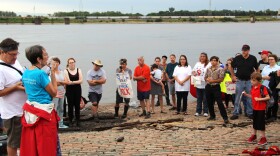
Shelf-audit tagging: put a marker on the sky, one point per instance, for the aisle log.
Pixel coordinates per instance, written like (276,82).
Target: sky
(24,7)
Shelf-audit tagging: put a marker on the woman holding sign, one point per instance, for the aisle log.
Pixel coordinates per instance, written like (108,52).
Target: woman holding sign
(227,86)
(198,73)
(122,93)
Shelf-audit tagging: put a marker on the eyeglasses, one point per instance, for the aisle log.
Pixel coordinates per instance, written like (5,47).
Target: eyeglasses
(271,59)
(16,54)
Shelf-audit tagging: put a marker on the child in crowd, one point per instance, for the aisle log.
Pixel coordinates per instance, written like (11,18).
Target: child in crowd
(157,75)
(259,107)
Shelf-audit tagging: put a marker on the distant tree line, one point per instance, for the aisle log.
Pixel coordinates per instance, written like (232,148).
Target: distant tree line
(85,14)
(7,14)
(172,12)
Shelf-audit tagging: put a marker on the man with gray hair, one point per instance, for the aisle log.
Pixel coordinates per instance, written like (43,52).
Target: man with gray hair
(12,93)
(142,76)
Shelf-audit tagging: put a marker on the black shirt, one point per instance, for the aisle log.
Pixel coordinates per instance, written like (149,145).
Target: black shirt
(262,64)
(245,67)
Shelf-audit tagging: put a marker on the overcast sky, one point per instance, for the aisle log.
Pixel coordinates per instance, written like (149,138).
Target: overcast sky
(128,6)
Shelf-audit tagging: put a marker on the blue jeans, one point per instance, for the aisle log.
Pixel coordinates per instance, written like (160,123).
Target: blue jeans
(201,97)
(58,105)
(247,102)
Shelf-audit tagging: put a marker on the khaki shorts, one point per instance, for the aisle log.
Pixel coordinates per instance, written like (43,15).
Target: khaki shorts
(171,87)
(13,127)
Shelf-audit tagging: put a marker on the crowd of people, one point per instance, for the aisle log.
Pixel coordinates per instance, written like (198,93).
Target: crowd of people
(33,101)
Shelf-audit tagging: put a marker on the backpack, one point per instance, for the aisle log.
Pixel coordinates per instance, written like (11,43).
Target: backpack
(270,102)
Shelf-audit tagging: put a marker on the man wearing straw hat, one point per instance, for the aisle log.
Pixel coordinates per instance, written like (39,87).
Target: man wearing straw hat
(96,77)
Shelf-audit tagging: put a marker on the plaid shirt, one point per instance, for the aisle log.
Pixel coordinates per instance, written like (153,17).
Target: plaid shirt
(215,74)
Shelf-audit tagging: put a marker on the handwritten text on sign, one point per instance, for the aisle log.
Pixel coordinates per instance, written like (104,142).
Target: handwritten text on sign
(231,87)
(124,85)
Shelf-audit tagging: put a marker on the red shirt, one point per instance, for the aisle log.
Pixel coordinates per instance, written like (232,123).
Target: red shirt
(145,72)
(256,92)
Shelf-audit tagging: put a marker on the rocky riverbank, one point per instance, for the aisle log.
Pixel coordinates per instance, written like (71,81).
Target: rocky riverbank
(162,134)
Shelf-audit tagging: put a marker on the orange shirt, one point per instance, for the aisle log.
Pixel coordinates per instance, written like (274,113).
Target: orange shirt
(145,72)
(256,92)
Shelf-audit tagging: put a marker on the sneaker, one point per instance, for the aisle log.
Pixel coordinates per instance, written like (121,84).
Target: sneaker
(211,118)
(63,126)
(234,117)
(148,116)
(168,104)
(226,121)
(262,141)
(196,114)
(252,139)
(173,108)
(143,114)
(205,114)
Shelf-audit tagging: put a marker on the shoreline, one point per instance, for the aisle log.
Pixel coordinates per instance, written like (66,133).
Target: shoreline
(134,23)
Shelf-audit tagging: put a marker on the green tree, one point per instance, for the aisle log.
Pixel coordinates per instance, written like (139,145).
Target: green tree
(171,10)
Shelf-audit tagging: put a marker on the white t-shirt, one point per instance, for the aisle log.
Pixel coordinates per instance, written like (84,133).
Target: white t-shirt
(200,71)
(157,74)
(266,71)
(181,73)
(11,105)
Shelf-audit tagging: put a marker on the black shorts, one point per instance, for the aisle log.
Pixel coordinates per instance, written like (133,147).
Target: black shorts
(120,99)
(259,120)
(13,127)
(94,97)
(143,95)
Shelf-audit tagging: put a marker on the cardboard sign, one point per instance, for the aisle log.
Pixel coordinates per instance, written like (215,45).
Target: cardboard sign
(231,87)
(124,85)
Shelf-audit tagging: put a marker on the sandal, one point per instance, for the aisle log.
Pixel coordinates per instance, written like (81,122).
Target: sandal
(177,113)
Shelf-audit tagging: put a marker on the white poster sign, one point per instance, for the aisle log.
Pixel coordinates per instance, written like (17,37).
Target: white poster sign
(124,85)
(231,87)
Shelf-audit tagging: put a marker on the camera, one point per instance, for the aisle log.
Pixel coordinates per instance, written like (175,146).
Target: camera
(120,67)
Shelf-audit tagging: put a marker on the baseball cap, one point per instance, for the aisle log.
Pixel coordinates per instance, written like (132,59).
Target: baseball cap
(245,47)
(265,52)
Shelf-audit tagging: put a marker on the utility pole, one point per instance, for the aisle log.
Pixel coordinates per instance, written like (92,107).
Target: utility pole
(81,8)
(209,11)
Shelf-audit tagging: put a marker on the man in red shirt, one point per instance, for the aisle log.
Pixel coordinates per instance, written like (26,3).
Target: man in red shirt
(259,107)
(142,76)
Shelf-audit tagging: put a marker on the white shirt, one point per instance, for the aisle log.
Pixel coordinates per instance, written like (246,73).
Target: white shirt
(266,71)
(11,105)
(200,73)
(181,73)
(157,74)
